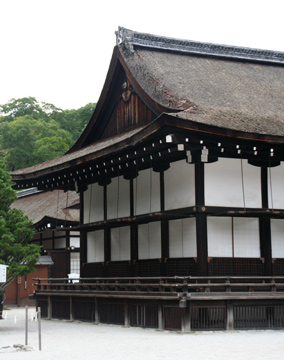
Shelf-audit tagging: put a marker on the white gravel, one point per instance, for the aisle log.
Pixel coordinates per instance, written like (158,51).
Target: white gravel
(78,340)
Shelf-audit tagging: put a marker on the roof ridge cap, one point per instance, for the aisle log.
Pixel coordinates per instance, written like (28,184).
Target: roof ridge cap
(131,38)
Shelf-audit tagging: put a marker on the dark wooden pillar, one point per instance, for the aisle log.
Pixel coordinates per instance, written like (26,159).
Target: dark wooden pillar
(133,230)
(165,242)
(201,221)
(265,227)
(83,235)
(107,245)
(67,239)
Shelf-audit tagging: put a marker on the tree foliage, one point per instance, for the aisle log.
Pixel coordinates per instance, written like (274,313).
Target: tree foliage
(16,232)
(33,132)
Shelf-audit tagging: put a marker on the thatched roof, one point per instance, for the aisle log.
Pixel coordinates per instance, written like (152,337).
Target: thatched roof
(55,204)
(236,88)
(223,88)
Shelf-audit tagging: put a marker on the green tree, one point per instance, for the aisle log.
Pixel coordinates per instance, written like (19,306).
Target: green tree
(29,141)
(21,107)
(33,132)
(74,121)
(16,232)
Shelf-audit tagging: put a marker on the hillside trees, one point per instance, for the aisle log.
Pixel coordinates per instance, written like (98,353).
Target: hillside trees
(33,132)
(16,250)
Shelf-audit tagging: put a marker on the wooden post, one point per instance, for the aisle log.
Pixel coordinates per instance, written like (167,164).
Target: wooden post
(265,227)
(39,327)
(160,317)
(186,323)
(201,221)
(97,318)
(230,316)
(126,313)
(71,309)
(26,326)
(49,308)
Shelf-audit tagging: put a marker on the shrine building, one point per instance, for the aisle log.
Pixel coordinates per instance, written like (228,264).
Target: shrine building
(180,175)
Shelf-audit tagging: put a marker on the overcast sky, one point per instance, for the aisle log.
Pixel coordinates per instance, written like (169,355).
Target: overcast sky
(58,51)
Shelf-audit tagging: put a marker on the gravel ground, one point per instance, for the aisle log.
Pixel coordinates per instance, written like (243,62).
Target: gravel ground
(75,340)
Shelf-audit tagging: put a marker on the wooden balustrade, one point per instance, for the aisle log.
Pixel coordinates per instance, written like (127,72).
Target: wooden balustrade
(165,287)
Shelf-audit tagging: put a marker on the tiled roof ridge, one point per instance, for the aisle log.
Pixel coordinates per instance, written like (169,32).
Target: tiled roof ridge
(131,38)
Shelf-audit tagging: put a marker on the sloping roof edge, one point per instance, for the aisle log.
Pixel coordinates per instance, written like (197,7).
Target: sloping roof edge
(132,138)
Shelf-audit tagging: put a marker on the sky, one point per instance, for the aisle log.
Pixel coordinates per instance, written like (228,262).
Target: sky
(58,51)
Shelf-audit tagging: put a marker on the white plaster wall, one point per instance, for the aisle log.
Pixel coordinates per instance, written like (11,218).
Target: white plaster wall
(93,203)
(95,246)
(223,184)
(75,238)
(149,241)
(276,186)
(237,237)
(182,238)
(75,241)
(118,198)
(246,237)
(219,234)
(277,238)
(120,243)
(179,185)
(147,192)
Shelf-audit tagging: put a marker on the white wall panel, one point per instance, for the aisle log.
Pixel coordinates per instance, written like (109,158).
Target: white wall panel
(147,192)
(118,198)
(277,238)
(179,185)
(75,241)
(182,238)
(276,187)
(95,246)
(219,230)
(93,203)
(246,237)
(120,243)
(75,238)
(223,184)
(149,241)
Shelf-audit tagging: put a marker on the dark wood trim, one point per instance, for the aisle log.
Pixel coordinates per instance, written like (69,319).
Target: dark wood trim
(201,221)
(83,250)
(134,242)
(264,187)
(81,207)
(265,244)
(165,240)
(107,245)
(265,226)
(105,202)
(53,239)
(199,184)
(67,242)
(131,189)
(162,190)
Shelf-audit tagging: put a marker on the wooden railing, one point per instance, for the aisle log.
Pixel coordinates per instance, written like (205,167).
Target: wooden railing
(164,287)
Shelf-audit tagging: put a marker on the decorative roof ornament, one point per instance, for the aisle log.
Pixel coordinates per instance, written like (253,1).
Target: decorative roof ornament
(126,91)
(126,37)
